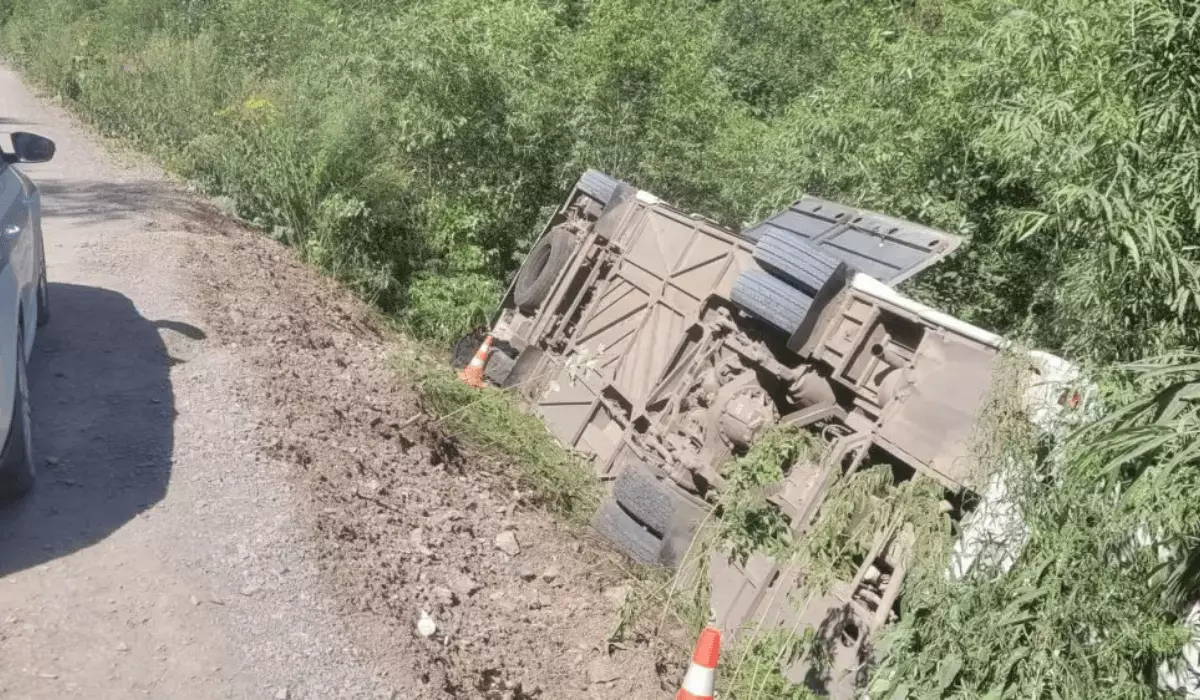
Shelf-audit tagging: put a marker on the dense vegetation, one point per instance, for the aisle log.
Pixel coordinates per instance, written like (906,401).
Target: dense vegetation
(414,147)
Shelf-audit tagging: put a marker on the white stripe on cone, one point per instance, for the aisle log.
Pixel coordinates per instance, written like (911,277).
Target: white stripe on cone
(700,680)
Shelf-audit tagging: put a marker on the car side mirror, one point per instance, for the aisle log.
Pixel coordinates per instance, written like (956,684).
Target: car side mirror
(30,148)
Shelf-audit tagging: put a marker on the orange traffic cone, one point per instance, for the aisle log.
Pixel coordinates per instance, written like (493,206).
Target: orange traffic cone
(702,674)
(472,375)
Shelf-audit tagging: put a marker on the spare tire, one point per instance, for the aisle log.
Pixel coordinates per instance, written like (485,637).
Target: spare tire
(542,267)
(599,186)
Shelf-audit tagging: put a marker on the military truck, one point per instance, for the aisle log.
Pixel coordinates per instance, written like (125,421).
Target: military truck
(660,345)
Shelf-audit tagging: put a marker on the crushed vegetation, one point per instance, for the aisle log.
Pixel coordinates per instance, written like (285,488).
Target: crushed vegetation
(1098,594)
(493,422)
(747,522)
(867,502)
(756,668)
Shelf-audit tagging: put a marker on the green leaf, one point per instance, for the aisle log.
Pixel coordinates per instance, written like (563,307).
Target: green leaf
(948,670)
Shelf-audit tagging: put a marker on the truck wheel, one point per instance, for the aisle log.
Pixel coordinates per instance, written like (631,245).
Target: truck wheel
(647,518)
(646,498)
(598,186)
(792,259)
(626,534)
(771,300)
(17,467)
(542,267)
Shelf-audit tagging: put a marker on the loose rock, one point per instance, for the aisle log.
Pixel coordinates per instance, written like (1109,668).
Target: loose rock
(602,671)
(465,585)
(443,595)
(617,594)
(507,542)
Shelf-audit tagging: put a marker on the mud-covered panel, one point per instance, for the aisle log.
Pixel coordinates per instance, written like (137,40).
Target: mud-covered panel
(610,332)
(737,592)
(669,268)
(601,437)
(836,334)
(890,250)
(566,406)
(618,222)
(651,349)
(703,266)
(932,420)
(660,243)
(741,260)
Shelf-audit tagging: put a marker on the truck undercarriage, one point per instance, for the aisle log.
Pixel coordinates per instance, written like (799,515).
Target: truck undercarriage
(660,346)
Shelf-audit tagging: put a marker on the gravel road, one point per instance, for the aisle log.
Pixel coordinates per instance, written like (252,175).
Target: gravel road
(228,506)
(159,556)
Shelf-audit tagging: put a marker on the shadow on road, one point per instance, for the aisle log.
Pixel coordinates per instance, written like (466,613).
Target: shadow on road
(103,414)
(93,201)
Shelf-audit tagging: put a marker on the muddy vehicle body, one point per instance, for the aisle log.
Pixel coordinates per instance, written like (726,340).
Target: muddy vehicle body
(659,345)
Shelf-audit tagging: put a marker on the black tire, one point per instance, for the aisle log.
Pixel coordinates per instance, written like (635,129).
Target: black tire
(598,186)
(43,288)
(626,534)
(791,258)
(771,300)
(647,499)
(17,470)
(499,366)
(542,267)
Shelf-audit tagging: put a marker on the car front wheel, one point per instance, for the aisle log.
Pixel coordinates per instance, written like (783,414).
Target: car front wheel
(16,462)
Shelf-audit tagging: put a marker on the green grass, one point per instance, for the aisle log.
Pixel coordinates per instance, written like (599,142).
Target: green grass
(494,422)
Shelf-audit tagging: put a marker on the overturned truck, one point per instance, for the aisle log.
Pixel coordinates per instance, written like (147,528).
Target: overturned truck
(660,345)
